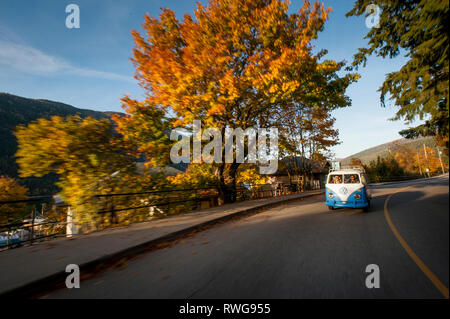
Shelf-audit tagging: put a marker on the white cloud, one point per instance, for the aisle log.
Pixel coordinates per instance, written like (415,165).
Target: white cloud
(27,59)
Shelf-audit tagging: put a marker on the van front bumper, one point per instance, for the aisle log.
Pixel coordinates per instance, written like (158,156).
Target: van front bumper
(348,203)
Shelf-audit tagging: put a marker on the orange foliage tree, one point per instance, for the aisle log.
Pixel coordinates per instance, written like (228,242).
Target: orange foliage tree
(410,160)
(11,190)
(238,63)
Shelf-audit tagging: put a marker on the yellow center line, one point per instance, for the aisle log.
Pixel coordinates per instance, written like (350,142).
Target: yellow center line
(433,278)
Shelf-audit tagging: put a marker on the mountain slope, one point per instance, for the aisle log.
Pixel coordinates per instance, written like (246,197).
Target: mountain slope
(383,150)
(15,110)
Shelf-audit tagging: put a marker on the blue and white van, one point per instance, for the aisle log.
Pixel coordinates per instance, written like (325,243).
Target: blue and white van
(347,187)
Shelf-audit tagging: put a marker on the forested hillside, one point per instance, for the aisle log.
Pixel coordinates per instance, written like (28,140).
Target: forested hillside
(383,150)
(15,110)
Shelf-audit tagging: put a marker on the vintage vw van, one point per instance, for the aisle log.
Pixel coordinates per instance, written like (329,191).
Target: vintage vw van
(347,187)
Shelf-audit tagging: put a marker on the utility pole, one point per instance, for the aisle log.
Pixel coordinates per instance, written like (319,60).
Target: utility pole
(418,162)
(440,160)
(427,168)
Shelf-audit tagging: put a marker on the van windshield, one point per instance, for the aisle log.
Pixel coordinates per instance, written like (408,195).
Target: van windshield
(335,179)
(351,179)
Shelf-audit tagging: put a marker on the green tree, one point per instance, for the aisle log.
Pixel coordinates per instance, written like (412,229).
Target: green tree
(420,89)
(384,169)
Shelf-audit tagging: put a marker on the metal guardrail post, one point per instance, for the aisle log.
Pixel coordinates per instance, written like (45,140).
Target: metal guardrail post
(7,237)
(196,199)
(113,213)
(33,216)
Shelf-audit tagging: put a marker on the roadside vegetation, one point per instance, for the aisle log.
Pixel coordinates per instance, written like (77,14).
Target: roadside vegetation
(406,164)
(11,190)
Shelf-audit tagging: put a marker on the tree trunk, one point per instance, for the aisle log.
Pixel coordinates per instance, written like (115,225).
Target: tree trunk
(227,192)
(232,174)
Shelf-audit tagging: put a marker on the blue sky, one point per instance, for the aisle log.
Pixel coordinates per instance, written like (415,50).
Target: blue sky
(90,68)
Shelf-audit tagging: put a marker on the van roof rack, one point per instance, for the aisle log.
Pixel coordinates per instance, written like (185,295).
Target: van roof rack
(344,167)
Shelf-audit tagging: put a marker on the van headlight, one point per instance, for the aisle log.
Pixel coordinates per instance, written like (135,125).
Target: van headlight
(330,195)
(357,196)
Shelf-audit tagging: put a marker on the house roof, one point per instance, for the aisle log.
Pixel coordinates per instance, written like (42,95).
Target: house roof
(289,163)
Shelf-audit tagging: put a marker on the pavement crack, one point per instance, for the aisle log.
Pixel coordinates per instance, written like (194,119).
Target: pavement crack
(205,285)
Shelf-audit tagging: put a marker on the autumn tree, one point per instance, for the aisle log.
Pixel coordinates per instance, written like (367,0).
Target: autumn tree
(428,159)
(408,160)
(11,190)
(356,161)
(86,154)
(420,89)
(311,137)
(237,63)
(416,160)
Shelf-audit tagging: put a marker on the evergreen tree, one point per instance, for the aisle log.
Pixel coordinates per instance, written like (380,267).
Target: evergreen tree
(420,87)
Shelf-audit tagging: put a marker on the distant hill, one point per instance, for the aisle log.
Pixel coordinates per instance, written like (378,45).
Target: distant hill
(15,110)
(383,150)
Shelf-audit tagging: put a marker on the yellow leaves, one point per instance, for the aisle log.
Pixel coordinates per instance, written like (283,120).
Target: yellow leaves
(178,123)
(250,175)
(65,145)
(410,159)
(216,109)
(224,59)
(273,89)
(327,66)
(289,86)
(355,76)
(11,190)
(195,175)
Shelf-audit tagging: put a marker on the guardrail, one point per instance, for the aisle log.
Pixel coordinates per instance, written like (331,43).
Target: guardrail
(125,208)
(397,178)
(175,201)
(30,226)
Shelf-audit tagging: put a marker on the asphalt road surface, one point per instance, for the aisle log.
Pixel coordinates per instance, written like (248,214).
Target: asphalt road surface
(300,250)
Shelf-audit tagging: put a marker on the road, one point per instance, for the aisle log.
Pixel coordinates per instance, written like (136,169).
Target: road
(299,250)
